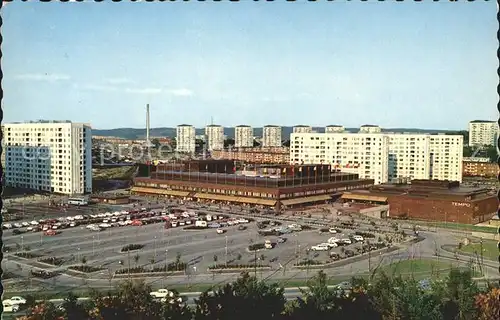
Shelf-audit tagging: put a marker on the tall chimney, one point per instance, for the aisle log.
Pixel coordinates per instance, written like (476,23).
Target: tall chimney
(147,124)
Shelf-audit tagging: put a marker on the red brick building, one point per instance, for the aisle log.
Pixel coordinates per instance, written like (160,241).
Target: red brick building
(432,200)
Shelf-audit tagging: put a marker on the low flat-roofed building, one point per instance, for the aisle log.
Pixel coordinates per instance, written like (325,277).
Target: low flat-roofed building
(276,187)
(111,199)
(481,167)
(432,200)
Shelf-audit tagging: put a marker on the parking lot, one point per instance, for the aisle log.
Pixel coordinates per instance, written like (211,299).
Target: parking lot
(200,249)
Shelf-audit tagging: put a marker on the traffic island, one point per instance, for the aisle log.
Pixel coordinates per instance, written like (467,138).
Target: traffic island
(173,268)
(85,269)
(27,255)
(52,261)
(129,248)
(256,247)
(231,268)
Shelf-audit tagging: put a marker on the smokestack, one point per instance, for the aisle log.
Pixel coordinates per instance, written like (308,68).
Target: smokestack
(147,124)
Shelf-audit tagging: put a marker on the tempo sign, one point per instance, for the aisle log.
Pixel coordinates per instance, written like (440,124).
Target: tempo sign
(461,204)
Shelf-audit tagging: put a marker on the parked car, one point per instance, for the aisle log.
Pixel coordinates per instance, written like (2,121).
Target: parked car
(16,231)
(15,300)
(220,231)
(320,247)
(281,240)
(334,256)
(51,233)
(358,238)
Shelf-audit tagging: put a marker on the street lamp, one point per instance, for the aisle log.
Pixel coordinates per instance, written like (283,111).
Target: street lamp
(93,245)
(22,243)
(155,246)
(226,252)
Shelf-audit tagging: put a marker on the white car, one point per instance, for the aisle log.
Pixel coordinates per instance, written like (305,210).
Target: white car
(330,245)
(72,224)
(15,301)
(346,241)
(333,240)
(34,223)
(320,247)
(122,223)
(358,238)
(332,230)
(220,231)
(25,224)
(242,220)
(30,228)
(104,225)
(10,307)
(18,225)
(90,226)
(162,293)
(7,226)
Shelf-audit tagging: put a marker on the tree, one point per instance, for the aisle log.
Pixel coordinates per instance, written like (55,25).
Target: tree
(488,305)
(319,302)
(72,309)
(136,259)
(228,143)
(156,143)
(246,298)
(492,153)
(460,291)
(177,259)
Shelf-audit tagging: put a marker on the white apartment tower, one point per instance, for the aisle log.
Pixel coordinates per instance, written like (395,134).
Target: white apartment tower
(243,136)
(368,128)
(302,129)
(215,137)
(334,129)
(186,138)
(384,157)
(483,133)
(50,156)
(271,136)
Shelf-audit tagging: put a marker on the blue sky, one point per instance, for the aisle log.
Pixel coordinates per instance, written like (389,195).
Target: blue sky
(419,65)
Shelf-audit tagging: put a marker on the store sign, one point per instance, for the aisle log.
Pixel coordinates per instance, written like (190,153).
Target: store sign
(461,204)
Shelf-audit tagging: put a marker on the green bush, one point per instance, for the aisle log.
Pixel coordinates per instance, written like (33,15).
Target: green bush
(256,246)
(132,247)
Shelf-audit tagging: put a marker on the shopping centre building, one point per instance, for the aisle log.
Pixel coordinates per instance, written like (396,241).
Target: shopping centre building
(271,186)
(432,200)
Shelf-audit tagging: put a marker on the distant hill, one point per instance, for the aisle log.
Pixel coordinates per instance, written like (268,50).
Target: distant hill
(132,133)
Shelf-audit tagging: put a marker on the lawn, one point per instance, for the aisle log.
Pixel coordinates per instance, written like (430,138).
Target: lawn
(490,249)
(456,226)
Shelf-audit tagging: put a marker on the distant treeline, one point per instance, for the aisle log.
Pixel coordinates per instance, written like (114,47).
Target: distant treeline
(132,133)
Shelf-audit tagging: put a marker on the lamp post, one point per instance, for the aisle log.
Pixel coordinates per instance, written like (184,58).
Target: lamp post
(22,243)
(78,254)
(226,253)
(93,245)
(155,247)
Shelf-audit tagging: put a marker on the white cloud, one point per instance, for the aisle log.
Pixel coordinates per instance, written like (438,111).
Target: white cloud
(43,77)
(98,87)
(118,80)
(144,90)
(181,92)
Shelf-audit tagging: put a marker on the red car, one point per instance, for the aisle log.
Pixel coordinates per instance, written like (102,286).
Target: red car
(51,232)
(136,223)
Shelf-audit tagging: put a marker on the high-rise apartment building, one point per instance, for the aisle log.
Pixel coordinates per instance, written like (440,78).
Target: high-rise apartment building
(243,136)
(186,138)
(384,157)
(271,136)
(50,156)
(369,128)
(334,129)
(483,133)
(215,137)
(302,129)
